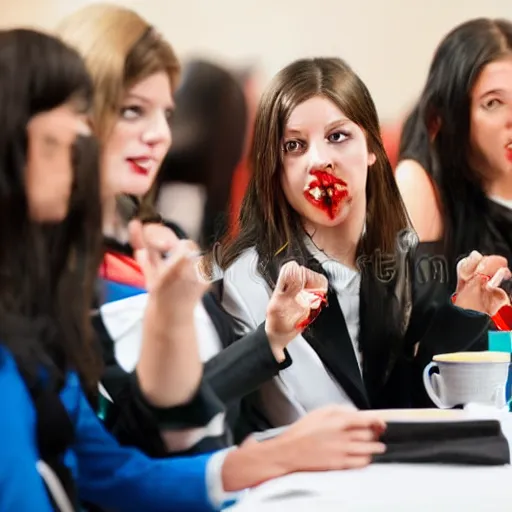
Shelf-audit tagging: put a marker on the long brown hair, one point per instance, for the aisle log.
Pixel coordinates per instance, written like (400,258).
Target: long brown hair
(267,221)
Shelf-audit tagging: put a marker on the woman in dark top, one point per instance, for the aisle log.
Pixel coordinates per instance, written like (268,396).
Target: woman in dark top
(134,143)
(456,149)
(132,107)
(50,228)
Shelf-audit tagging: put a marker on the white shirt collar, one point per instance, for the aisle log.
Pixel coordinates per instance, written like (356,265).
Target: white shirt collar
(341,277)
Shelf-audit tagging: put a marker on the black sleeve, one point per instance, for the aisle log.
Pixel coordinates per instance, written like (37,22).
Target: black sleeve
(453,329)
(436,325)
(134,421)
(243,366)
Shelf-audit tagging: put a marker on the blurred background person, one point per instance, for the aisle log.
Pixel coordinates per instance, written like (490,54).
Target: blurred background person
(209,128)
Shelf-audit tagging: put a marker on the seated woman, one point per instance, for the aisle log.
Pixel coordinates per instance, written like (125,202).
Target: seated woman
(323,194)
(133,104)
(150,409)
(455,170)
(50,220)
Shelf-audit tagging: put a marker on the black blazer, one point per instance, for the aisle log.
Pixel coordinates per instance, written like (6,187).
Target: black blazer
(406,317)
(396,318)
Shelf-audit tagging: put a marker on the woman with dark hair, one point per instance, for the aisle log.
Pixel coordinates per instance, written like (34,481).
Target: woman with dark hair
(46,276)
(209,132)
(50,227)
(455,170)
(323,194)
(46,93)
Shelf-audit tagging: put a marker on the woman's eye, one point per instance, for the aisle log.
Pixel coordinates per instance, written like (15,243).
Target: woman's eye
(492,104)
(292,145)
(337,137)
(169,114)
(132,112)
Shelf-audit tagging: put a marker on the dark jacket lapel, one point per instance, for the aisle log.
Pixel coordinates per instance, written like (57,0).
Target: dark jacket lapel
(328,336)
(373,335)
(384,313)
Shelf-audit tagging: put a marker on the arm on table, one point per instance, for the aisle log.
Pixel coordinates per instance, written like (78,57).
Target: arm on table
(124,479)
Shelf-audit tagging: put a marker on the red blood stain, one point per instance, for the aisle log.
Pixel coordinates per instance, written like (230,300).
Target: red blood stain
(334,191)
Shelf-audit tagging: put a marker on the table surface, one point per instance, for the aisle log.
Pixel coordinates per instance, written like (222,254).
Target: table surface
(396,487)
(382,487)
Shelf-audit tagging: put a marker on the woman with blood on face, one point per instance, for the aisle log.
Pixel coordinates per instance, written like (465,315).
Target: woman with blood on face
(323,194)
(455,170)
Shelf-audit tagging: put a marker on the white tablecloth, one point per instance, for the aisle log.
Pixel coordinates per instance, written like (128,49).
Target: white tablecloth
(389,487)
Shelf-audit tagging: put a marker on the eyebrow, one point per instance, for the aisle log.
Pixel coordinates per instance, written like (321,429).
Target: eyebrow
(330,126)
(492,91)
(145,100)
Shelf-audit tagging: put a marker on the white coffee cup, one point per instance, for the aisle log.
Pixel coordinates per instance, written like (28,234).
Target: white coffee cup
(467,377)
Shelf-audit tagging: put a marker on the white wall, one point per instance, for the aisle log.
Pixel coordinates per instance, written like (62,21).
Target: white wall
(389,42)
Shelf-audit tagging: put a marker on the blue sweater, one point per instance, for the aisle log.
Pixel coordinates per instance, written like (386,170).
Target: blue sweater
(107,474)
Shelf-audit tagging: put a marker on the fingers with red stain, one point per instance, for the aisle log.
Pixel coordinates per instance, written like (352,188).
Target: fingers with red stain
(314,312)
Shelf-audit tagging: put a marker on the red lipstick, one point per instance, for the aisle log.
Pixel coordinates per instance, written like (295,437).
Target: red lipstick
(138,169)
(326,192)
(508,152)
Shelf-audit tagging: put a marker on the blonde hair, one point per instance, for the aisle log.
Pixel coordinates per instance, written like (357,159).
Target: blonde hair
(120,49)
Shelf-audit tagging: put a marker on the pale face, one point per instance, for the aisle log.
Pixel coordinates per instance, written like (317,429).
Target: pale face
(49,169)
(325,162)
(140,138)
(491,119)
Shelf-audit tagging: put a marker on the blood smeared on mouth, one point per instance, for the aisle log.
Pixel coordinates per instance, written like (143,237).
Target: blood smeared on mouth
(316,300)
(326,192)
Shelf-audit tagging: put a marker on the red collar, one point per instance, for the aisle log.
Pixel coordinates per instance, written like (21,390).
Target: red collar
(121,269)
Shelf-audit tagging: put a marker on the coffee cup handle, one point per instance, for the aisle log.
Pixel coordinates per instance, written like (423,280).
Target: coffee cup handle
(428,378)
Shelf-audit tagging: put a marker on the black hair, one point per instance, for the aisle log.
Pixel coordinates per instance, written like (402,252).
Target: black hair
(46,271)
(436,133)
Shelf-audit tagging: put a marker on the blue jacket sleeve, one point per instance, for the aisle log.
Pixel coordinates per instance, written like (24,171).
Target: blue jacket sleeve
(124,479)
(21,487)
